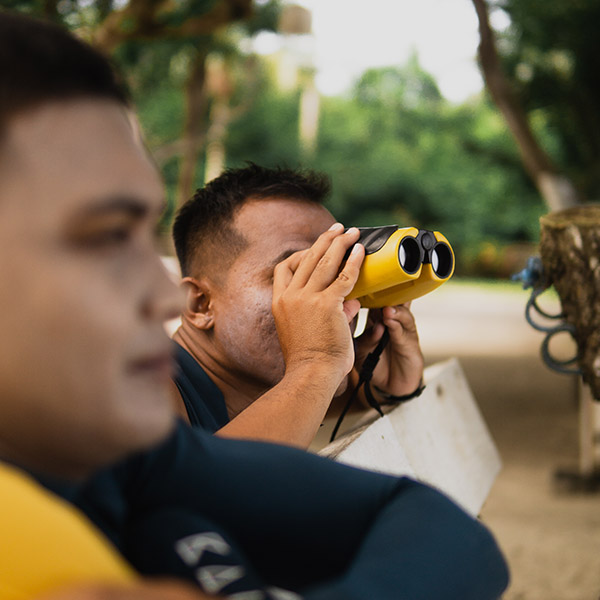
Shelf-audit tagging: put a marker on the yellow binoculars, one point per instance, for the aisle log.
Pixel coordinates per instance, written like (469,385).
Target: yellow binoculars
(401,264)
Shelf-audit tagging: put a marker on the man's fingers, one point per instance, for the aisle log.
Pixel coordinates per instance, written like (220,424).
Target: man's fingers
(284,272)
(367,342)
(328,268)
(395,317)
(319,266)
(344,282)
(323,260)
(315,253)
(351,308)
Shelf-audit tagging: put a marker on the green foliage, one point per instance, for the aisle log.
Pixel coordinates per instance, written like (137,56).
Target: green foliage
(186,9)
(264,18)
(396,151)
(427,164)
(390,88)
(268,132)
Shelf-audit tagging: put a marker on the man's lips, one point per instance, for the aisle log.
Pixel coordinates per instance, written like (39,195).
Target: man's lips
(160,365)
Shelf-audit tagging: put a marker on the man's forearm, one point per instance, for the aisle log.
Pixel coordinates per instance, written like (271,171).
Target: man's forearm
(289,413)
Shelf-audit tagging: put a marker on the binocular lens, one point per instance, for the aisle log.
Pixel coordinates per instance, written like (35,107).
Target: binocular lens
(441,260)
(409,255)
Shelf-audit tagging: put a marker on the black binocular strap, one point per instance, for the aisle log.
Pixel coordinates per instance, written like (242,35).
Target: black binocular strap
(364,378)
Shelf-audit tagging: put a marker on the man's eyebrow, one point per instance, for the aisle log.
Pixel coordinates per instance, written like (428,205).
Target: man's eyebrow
(132,206)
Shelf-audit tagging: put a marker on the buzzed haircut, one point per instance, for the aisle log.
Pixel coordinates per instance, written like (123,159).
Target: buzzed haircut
(203,226)
(41,62)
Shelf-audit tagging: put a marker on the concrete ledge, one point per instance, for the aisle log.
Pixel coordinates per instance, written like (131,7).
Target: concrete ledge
(439,438)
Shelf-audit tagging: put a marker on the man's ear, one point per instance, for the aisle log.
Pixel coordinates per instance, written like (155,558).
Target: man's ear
(198,303)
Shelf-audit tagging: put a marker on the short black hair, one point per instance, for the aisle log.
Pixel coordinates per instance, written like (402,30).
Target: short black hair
(204,223)
(42,62)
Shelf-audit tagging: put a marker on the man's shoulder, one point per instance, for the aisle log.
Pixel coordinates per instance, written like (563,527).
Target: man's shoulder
(203,400)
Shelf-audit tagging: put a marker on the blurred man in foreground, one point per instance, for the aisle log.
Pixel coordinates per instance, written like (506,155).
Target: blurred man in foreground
(83,359)
(232,375)
(84,369)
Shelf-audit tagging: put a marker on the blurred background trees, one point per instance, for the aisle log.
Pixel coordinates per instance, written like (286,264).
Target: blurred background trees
(550,59)
(396,149)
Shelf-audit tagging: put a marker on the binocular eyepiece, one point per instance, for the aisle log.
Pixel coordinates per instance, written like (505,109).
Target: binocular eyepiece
(401,264)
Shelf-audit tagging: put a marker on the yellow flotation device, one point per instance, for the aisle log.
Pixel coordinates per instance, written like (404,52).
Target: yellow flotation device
(46,544)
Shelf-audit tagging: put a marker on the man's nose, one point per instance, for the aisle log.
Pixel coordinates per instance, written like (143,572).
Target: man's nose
(165,299)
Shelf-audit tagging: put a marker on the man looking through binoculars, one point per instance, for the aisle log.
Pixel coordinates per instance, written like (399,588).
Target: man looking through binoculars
(233,376)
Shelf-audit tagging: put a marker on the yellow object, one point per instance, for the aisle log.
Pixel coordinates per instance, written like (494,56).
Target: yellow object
(46,544)
(401,264)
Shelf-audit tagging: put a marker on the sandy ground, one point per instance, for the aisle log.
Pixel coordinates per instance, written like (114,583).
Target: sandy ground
(551,537)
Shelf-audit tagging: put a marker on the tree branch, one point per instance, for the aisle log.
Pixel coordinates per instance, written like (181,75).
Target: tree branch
(144,20)
(194,129)
(556,189)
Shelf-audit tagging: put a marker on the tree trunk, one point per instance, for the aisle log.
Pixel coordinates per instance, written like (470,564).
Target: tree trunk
(194,127)
(220,115)
(49,9)
(556,189)
(570,248)
(308,126)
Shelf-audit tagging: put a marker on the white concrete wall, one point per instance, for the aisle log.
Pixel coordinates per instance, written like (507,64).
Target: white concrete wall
(439,438)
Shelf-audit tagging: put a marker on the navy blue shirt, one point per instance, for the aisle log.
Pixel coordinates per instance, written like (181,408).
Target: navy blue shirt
(203,400)
(246,517)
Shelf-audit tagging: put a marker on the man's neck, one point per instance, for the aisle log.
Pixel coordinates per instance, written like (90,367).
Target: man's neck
(238,392)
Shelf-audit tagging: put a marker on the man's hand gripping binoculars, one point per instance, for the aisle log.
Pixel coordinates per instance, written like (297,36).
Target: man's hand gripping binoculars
(400,264)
